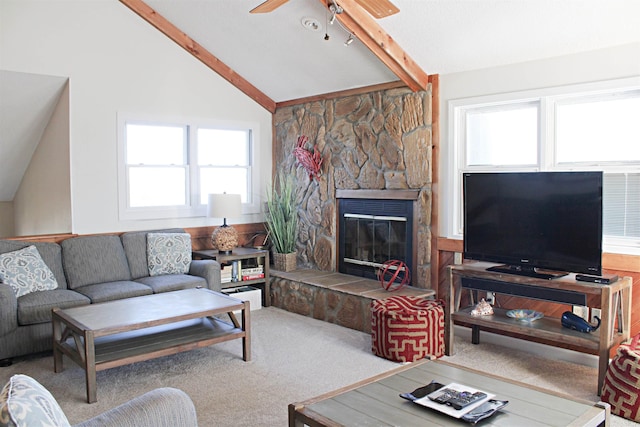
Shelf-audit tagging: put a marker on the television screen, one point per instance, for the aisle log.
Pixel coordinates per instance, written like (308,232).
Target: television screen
(534,221)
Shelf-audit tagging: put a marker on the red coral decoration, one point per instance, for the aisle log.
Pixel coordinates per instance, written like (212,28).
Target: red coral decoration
(312,162)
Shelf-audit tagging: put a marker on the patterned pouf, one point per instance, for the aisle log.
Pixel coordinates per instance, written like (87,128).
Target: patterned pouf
(405,328)
(621,386)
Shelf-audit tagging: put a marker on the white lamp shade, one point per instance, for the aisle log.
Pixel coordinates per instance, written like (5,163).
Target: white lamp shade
(224,206)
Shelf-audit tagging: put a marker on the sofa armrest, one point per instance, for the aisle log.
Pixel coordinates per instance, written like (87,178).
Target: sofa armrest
(209,270)
(161,407)
(8,310)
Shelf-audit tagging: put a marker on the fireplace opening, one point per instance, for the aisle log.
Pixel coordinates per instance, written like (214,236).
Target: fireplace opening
(372,232)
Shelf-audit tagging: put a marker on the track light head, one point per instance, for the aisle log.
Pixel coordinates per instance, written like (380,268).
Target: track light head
(349,40)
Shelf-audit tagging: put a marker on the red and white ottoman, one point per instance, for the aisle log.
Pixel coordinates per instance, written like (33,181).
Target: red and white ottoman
(621,388)
(406,328)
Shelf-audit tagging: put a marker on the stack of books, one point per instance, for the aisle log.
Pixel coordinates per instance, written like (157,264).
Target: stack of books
(226,273)
(252,273)
(236,272)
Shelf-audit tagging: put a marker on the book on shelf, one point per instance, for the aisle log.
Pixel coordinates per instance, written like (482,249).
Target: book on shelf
(252,270)
(226,273)
(236,272)
(253,276)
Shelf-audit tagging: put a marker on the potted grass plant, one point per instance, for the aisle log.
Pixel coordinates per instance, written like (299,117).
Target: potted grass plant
(282,222)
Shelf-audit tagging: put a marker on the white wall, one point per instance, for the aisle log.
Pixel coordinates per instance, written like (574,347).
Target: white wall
(605,64)
(42,204)
(116,62)
(6,219)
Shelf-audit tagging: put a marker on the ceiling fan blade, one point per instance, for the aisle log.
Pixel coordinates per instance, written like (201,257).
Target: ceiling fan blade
(268,6)
(378,8)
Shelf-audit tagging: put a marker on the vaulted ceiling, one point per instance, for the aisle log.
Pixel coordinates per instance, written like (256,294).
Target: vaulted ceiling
(283,56)
(286,58)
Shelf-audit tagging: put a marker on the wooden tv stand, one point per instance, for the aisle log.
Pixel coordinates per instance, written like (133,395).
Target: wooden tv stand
(615,305)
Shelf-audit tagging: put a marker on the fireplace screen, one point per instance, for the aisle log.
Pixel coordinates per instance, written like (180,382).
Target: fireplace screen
(371,240)
(373,232)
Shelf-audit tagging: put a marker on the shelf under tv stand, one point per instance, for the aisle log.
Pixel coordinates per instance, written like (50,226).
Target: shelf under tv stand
(529,272)
(615,306)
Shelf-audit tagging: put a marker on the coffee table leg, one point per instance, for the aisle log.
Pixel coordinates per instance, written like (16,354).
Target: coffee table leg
(90,366)
(246,327)
(232,316)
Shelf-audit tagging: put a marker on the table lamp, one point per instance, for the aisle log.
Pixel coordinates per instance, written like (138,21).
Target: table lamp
(225,237)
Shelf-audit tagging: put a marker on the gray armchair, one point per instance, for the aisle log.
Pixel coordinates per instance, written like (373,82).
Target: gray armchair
(157,408)
(25,402)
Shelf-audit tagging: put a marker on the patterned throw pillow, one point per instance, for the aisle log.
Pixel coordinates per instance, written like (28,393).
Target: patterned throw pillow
(24,403)
(168,253)
(25,271)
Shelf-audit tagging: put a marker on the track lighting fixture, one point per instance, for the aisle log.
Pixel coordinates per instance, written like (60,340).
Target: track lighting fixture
(335,10)
(349,40)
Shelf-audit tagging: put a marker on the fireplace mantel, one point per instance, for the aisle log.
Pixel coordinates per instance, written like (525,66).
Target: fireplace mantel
(378,194)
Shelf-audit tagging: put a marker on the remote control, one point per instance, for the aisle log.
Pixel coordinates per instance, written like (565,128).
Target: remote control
(465,399)
(443,395)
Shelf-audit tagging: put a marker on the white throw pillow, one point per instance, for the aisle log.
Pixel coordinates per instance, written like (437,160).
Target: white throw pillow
(168,253)
(25,271)
(24,402)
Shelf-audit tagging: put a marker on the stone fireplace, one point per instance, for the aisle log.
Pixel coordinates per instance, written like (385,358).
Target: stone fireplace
(375,226)
(376,146)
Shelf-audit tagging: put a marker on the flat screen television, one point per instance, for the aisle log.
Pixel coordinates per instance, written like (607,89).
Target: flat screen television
(540,224)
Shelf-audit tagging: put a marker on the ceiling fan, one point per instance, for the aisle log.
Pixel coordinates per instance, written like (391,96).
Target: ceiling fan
(377,8)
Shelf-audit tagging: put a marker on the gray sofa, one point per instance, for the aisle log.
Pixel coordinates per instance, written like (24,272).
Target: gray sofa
(88,269)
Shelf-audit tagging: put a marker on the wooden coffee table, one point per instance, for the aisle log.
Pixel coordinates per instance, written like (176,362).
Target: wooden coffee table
(106,335)
(376,402)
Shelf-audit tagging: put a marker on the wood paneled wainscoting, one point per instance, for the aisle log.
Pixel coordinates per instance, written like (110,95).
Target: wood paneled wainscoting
(450,252)
(248,235)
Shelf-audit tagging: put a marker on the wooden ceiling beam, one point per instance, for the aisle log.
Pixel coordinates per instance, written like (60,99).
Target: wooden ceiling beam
(366,29)
(268,6)
(195,49)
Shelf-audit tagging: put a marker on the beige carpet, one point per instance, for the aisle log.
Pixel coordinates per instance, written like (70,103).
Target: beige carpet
(294,358)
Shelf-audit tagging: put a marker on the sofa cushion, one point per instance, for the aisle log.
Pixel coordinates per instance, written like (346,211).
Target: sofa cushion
(36,307)
(168,253)
(25,402)
(51,254)
(110,291)
(172,282)
(88,260)
(26,272)
(135,246)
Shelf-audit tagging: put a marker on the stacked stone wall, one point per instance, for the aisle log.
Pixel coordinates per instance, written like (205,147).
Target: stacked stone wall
(376,141)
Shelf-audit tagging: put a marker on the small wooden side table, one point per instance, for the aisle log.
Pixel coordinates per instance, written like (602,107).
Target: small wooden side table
(240,254)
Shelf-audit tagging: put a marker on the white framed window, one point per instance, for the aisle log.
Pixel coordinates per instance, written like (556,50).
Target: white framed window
(167,168)
(156,154)
(581,127)
(492,130)
(221,169)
